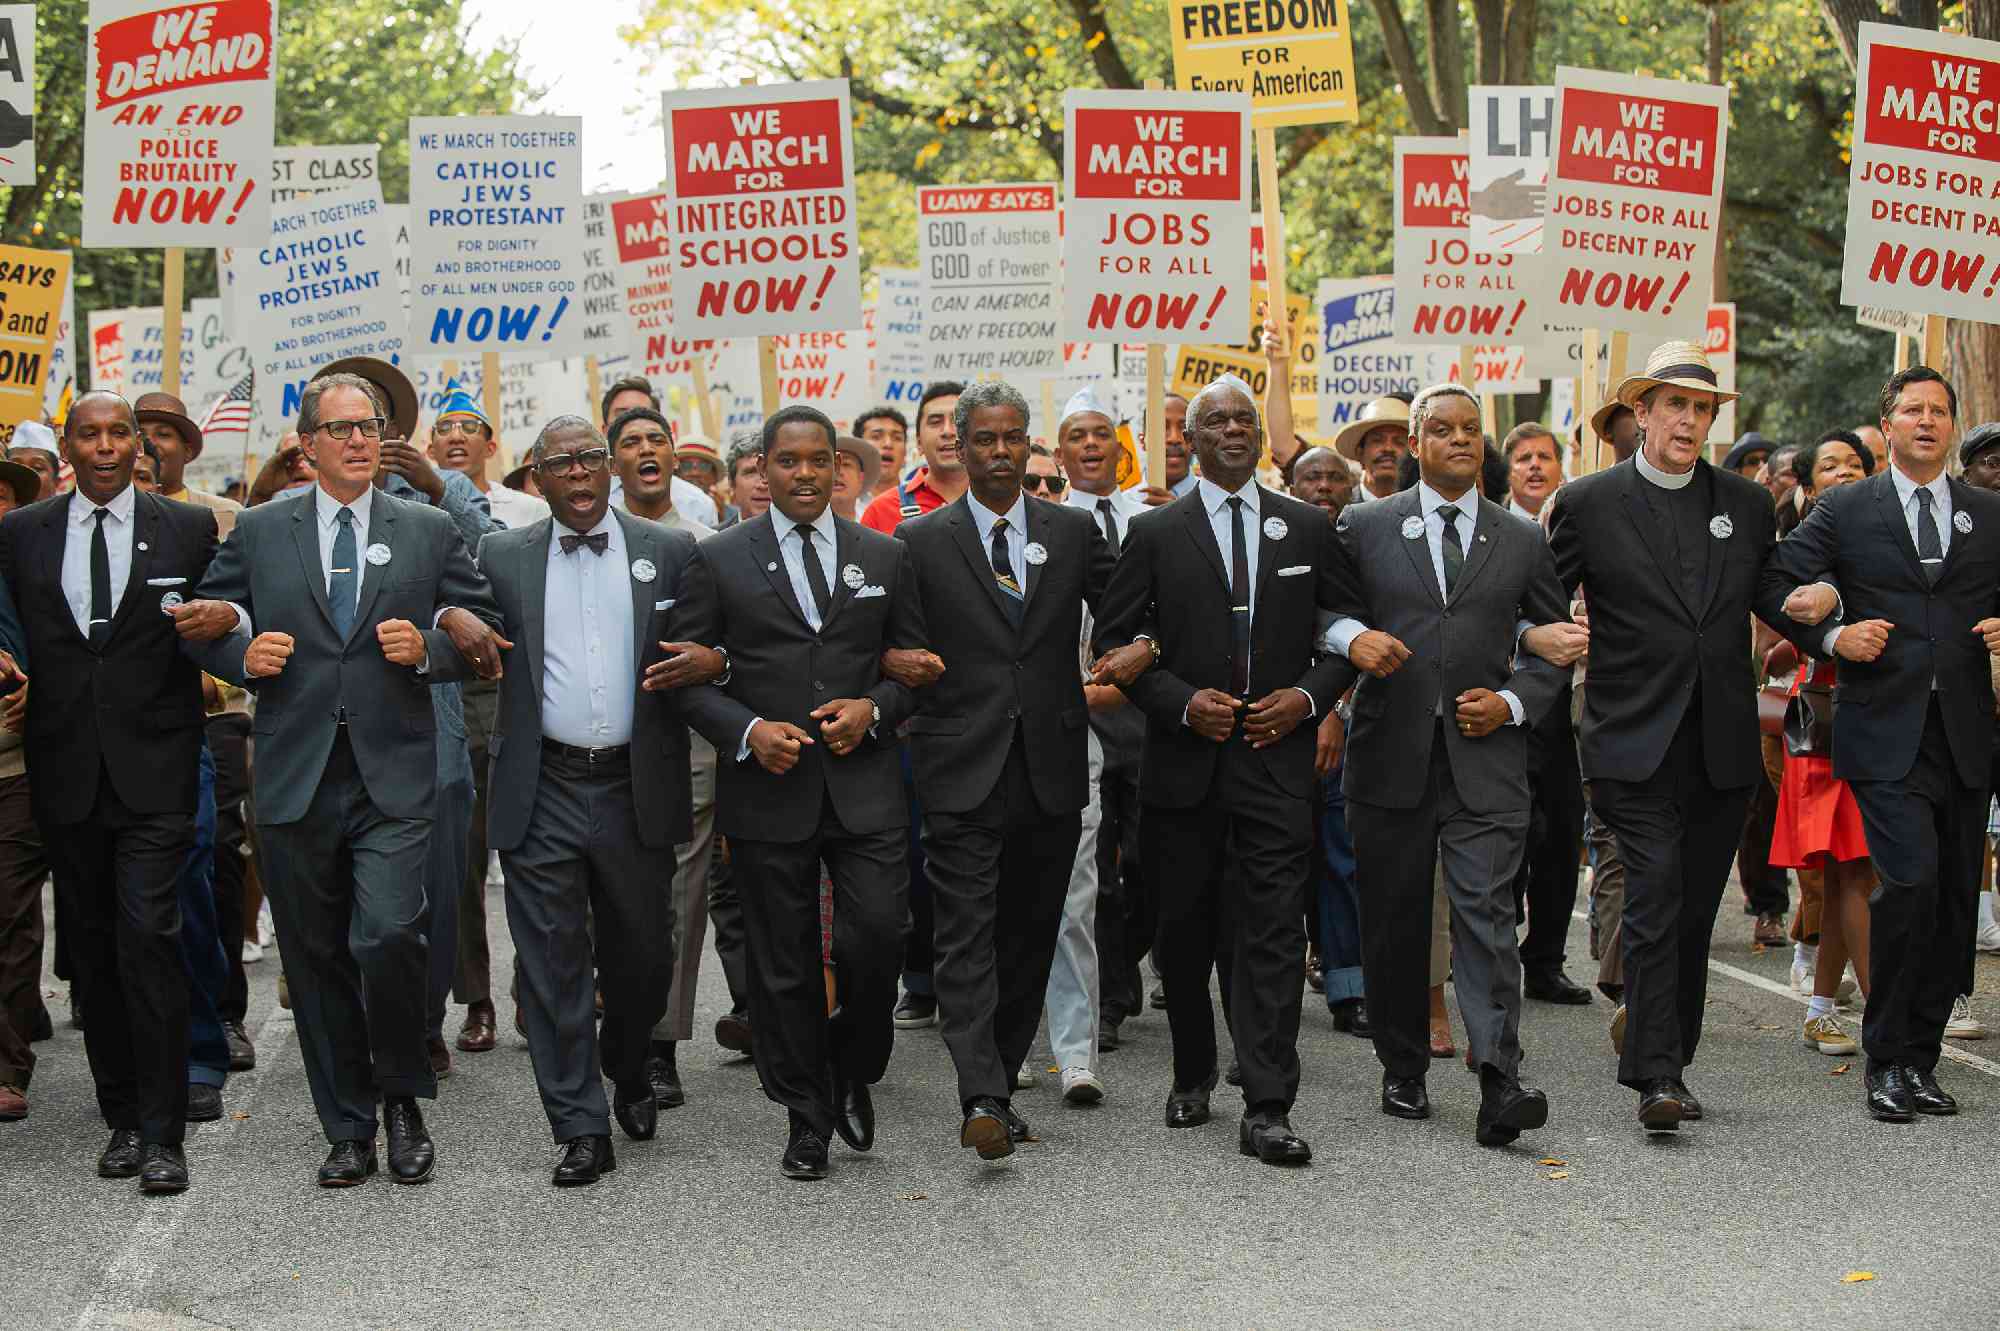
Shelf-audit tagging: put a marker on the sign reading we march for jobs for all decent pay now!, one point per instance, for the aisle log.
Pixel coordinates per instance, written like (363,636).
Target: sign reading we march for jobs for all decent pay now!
(1294,57)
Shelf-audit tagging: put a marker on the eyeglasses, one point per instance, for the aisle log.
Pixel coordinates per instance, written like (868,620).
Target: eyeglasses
(464,425)
(593,459)
(341,431)
(1034,481)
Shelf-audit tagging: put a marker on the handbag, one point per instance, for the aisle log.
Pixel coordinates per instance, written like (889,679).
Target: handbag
(1772,702)
(1809,721)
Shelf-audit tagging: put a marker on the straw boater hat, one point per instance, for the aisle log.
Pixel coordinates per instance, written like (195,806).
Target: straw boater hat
(394,386)
(1679,364)
(169,410)
(1382,411)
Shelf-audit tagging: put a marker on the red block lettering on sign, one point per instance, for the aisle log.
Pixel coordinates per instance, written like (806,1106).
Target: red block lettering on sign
(228,41)
(1933,103)
(1123,154)
(757,148)
(1434,190)
(640,228)
(1639,142)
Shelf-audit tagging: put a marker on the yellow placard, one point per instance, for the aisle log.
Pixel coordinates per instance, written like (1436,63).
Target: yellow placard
(1197,366)
(31,292)
(1294,57)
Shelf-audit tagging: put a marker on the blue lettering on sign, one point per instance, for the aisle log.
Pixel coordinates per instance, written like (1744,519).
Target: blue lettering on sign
(1366,316)
(508,323)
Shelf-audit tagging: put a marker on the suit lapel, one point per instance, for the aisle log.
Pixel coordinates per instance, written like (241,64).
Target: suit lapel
(1031,573)
(1268,557)
(533,552)
(55,533)
(763,537)
(1959,490)
(1409,504)
(1477,546)
(847,550)
(305,537)
(641,543)
(965,535)
(1195,514)
(145,539)
(1718,549)
(381,531)
(1890,510)
(1647,527)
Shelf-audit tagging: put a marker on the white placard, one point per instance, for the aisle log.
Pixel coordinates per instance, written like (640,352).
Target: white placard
(61,380)
(901,360)
(1446,291)
(991,261)
(128,351)
(1509,139)
(1359,357)
(17,94)
(605,334)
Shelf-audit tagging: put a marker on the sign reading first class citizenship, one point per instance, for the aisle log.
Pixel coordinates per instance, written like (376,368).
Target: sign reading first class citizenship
(1295,58)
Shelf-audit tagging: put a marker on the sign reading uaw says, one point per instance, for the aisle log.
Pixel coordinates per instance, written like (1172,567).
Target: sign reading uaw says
(1294,57)
(1923,232)
(1158,189)
(178,108)
(763,220)
(992,273)
(1634,199)
(1446,291)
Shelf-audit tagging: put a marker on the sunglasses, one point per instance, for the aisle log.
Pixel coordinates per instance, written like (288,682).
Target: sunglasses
(1033,482)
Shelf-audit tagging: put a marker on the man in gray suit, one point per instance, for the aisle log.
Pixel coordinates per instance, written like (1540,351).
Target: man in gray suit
(315,603)
(1447,583)
(590,789)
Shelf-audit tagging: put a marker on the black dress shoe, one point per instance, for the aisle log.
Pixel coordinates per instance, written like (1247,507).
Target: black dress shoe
(349,1163)
(805,1154)
(1405,1097)
(915,1011)
(1107,1035)
(121,1154)
(584,1160)
(164,1168)
(1235,1074)
(1270,1138)
(1691,1110)
(854,1113)
(1507,1109)
(1187,1107)
(1661,1108)
(663,1070)
(1555,987)
(1889,1096)
(1017,1127)
(1614,992)
(41,1028)
(1926,1096)
(732,1032)
(1158,998)
(1351,1015)
(204,1102)
(242,1054)
(638,1114)
(985,1129)
(412,1157)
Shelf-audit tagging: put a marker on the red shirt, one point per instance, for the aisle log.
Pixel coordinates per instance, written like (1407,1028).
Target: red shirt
(885,511)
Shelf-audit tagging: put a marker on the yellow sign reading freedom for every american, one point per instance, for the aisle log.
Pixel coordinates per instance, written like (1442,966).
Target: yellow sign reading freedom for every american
(1294,57)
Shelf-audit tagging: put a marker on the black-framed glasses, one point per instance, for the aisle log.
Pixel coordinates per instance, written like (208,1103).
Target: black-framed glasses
(559,464)
(341,431)
(1034,481)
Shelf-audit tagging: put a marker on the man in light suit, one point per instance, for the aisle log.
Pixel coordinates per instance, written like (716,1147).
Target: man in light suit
(1438,761)
(316,601)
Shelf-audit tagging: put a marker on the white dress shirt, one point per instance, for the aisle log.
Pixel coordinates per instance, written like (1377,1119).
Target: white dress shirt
(515,509)
(1906,497)
(1186,483)
(589,673)
(791,549)
(1124,507)
(118,528)
(1215,499)
(1016,538)
(327,509)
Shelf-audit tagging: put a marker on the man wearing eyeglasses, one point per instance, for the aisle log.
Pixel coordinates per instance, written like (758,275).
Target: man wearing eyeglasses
(1043,479)
(315,604)
(462,440)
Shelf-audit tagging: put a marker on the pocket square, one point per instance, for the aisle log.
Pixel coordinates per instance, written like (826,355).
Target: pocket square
(165,582)
(666,604)
(1295,570)
(869,591)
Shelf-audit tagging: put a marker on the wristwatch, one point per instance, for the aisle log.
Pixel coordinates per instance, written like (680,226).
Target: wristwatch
(874,715)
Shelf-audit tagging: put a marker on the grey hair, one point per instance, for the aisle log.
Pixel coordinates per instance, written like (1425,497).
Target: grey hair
(567,422)
(1228,385)
(309,400)
(743,444)
(991,393)
(1421,407)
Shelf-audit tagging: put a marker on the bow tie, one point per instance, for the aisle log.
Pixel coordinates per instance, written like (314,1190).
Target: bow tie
(597,541)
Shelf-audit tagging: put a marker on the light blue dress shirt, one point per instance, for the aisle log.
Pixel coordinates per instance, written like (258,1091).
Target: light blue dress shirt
(589,672)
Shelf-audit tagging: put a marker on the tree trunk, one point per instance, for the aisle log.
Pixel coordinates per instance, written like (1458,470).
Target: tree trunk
(1720,292)
(1974,348)
(1447,62)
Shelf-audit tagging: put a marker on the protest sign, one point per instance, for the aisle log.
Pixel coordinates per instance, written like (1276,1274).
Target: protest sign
(605,334)
(901,358)
(991,260)
(1509,142)
(301,170)
(32,286)
(1359,357)
(17,94)
(1634,201)
(1295,58)
(178,109)
(1158,190)
(824,370)
(1920,235)
(496,235)
(323,288)
(219,359)
(762,180)
(643,246)
(1446,291)
(59,385)
(1720,343)
(1906,322)
(128,353)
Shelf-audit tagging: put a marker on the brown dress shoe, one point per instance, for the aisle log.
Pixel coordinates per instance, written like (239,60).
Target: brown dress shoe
(1770,929)
(13,1104)
(477,1035)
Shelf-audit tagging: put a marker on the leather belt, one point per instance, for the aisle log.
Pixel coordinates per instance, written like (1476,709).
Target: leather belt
(571,753)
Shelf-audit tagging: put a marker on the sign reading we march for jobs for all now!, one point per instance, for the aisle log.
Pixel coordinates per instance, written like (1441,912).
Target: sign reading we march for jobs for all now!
(1446,291)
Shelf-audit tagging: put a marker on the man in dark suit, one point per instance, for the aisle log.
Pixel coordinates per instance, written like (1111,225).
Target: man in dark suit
(1437,765)
(803,604)
(1667,549)
(1915,555)
(999,743)
(317,600)
(113,737)
(590,788)
(1228,581)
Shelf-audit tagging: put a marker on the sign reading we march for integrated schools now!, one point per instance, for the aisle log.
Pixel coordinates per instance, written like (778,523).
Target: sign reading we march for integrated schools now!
(762,180)
(1923,227)
(1158,190)
(1635,193)
(1446,291)
(991,259)
(1294,57)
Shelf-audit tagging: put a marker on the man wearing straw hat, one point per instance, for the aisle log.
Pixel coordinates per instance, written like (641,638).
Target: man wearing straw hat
(1377,439)
(1668,549)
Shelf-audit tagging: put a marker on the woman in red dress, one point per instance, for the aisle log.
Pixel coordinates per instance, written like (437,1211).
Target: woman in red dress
(1818,823)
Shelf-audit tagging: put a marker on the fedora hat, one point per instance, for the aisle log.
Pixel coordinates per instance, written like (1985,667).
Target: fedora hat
(1382,411)
(1679,364)
(25,484)
(394,386)
(169,410)
(1751,443)
(867,454)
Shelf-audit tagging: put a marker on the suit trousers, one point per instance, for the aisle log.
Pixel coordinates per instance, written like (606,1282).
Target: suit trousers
(1924,834)
(690,889)
(1400,853)
(229,744)
(1071,1002)
(999,875)
(1676,836)
(201,943)
(797,1042)
(725,914)
(346,886)
(23,869)
(444,876)
(472,980)
(581,859)
(117,876)
(1230,876)
(919,944)
(1338,900)
(1545,887)
(1126,918)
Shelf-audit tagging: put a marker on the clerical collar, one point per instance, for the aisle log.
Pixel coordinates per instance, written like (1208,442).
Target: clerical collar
(1666,480)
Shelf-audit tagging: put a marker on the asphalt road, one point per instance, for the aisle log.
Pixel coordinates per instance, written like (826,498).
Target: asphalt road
(1750,1219)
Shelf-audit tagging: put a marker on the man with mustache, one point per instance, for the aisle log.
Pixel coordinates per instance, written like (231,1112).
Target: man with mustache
(1534,468)
(1377,439)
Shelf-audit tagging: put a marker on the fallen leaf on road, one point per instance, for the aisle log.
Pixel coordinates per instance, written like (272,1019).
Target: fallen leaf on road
(1551,1160)
(239,1116)
(1840,1070)
(1559,1173)
(912,1196)
(1758,949)
(1856,1277)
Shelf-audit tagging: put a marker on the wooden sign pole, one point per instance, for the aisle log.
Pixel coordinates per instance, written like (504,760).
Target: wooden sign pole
(1048,413)
(767,371)
(1934,341)
(704,401)
(1902,352)
(173,278)
(593,384)
(489,389)
(1586,403)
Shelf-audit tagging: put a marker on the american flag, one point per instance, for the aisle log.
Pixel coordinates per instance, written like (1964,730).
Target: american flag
(230,413)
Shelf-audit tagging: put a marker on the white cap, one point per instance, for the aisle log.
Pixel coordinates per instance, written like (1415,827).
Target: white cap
(1083,400)
(1231,381)
(34,434)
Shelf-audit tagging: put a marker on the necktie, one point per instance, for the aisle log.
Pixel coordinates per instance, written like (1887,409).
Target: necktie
(815,574)
(1239,602)
(100,582)
(595,542)
(1003,573)
(1110,524)
(342,587)
(1454,552)
(1930,551)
